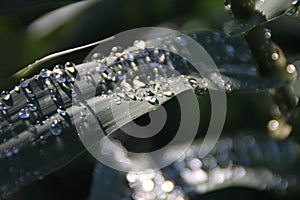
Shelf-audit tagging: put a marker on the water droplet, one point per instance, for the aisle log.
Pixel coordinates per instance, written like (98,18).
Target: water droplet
(275,56)
(161,58)
(155,70)
(227,5)
(15,150)
(129,57)
(291,69)
(73,94)
(31,107)
(97,56)
(198,89)
(8,153)
(181,41)
(148,185)
(168,93)
(24,113)
(228,87)
(6,96)
(167,186)
(11,127)
(152,100)
(193,82)
(42,139)
(154,64)
(70,67)
(82,116)
(17,89)
(61,111)
(275,111)
(45,73)
(57,70)
(60,78)
(116,49)
(24,84)
(138,84)
(294,12)
(194,177)
(268,34)
(69,64)
(145,52)
(28,93)
(273,125)
(56,128)
(139,44)
(120,77)
(131,96)
(2,107)
(101,68)
(117,100)
(69,80)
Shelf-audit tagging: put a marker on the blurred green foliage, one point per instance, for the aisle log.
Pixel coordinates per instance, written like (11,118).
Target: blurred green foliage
(22,46)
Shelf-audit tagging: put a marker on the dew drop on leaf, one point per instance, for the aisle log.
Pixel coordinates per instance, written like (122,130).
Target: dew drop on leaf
(152,100)
(138,84)
(268,34)
(6,96)
(273,125)
(24,113)
(61,111)
(56,128)
(24,84)
(168,93)
(275,56)
(291,69)
(139,44)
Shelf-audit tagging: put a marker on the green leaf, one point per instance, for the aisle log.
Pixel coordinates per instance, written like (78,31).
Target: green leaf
(231,54)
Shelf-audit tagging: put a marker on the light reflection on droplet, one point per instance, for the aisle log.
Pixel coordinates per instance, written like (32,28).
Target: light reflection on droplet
(131,177)
(148,185)
(273,125)
(194,177)
(291,69)
(56,128)
(139,44)
(268,34)
(195,163)
(275,56)
(24,113)
(167,186)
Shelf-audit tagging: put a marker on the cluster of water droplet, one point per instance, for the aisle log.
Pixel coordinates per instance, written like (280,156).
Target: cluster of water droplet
(139,73)
(226,165)
(32,114)
(153,185)
(282,108)
(136,73)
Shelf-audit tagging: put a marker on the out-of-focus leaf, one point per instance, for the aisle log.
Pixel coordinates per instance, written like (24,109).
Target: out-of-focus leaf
(57,18)
(44,62)
(9,7)
(249,159)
